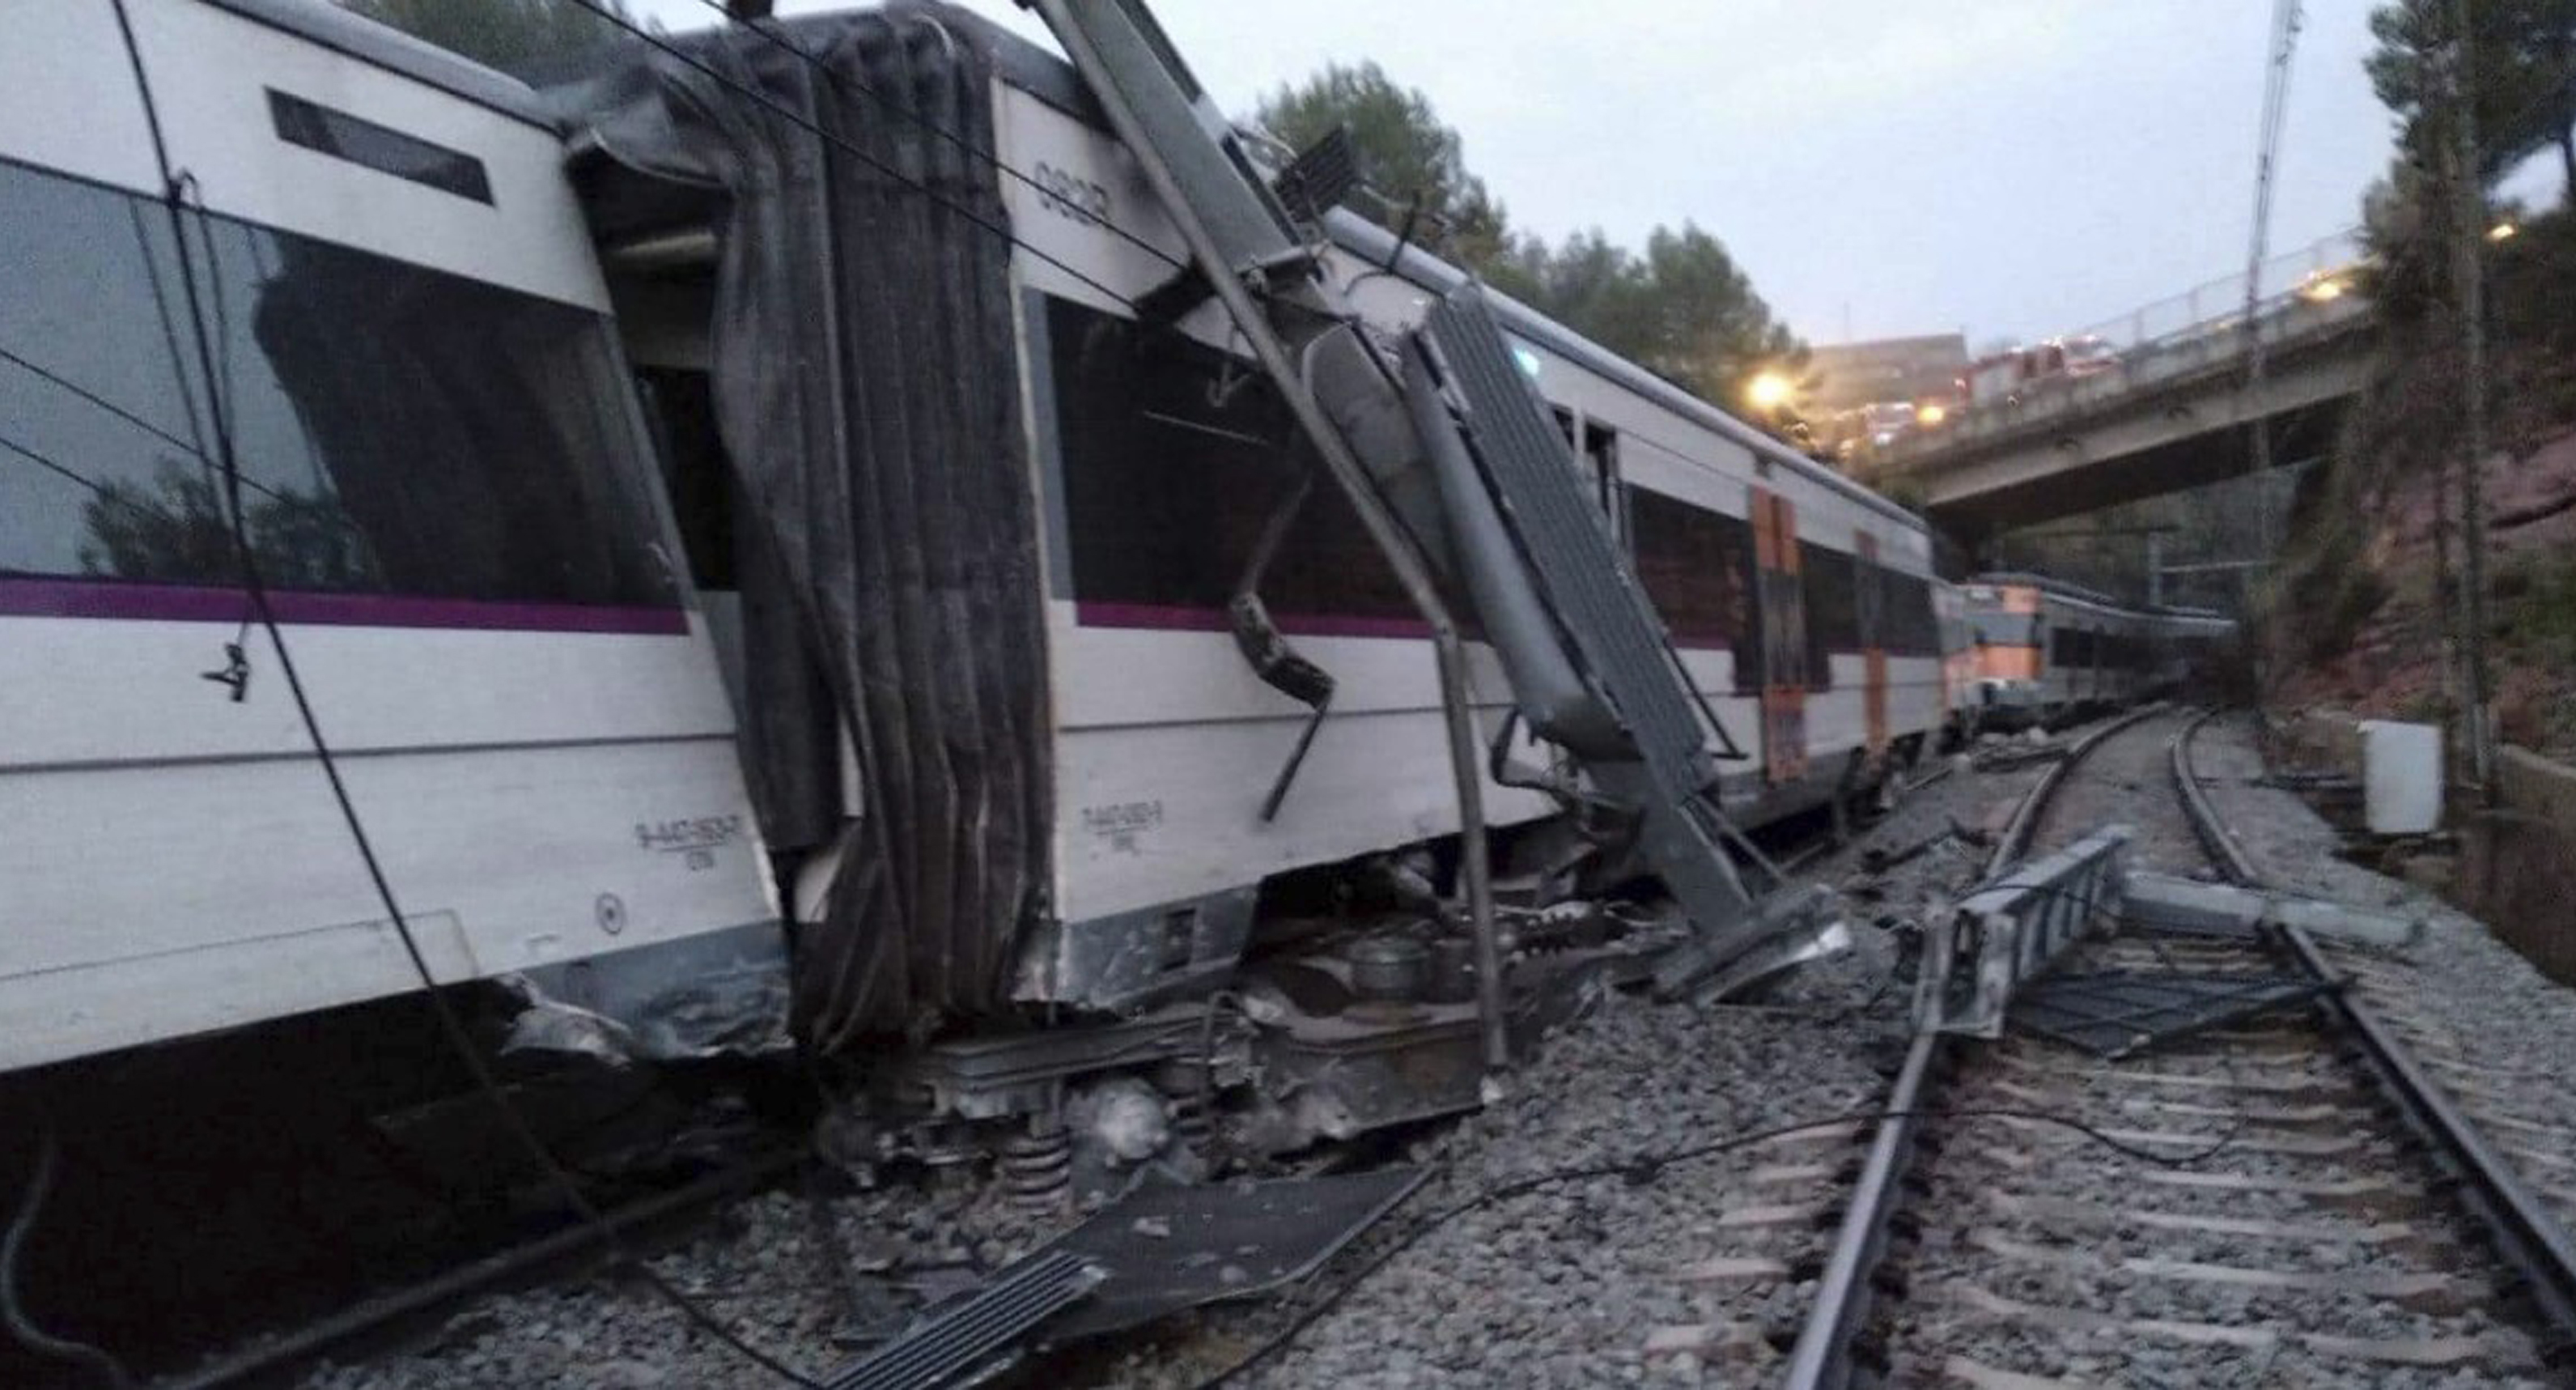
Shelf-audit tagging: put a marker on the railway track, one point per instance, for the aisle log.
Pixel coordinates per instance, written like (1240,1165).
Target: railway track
(2292,1200)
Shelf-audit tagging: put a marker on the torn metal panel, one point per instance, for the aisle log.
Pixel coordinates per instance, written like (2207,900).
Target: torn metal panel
(2116,1013)
(2002,935)
(720,994)
(1167,1247)
(2190,907)
(1791,927)
(1132,959)
(1775,958)
(975,1333)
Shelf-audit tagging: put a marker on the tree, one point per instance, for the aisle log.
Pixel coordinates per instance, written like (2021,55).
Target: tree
(1413,160)
(1705,327)
(2524,57)
(519,37)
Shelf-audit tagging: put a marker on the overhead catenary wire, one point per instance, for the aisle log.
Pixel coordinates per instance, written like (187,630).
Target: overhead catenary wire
(450,1023)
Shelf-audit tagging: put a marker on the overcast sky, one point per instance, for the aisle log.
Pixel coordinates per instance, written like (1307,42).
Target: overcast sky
(2012,168)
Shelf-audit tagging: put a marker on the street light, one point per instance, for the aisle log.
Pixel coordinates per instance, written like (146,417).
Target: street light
(1768,391)
(2502,231)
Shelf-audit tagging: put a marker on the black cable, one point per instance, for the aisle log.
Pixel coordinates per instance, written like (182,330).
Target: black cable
(744,89)
(767,30)
(12,1309)
(101,402)
(450,1023)
(1640,1169)
(101,490)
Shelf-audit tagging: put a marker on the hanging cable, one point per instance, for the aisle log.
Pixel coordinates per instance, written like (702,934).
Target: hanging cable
(1641,1169)
(451,1024)
(13,1308)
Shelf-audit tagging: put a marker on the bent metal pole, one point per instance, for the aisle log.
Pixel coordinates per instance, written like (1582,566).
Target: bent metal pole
(1384,531)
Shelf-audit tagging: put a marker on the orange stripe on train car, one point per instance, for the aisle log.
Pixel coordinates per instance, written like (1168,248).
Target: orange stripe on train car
(2003,662)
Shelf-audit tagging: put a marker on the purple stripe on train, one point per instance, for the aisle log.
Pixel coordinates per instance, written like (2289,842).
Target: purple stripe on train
(1157,617)
(187,603)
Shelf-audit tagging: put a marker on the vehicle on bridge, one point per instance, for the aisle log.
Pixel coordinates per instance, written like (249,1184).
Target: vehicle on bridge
(2044,651)
(1859,433)
(2016,372)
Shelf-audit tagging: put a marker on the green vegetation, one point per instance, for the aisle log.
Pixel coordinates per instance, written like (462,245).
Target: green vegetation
(1683,309)
(2402,436)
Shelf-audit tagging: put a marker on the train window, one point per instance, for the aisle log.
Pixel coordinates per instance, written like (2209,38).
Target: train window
(1601,460)
(1907,626)
(696,471)
(398,429)
(1697,566)
(2004,629)
(1167,486)
(381,148)
(1833,608)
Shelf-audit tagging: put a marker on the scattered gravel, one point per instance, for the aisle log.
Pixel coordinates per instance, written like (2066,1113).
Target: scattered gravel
(1566,1286)
(2512,1028)
(1592,1282)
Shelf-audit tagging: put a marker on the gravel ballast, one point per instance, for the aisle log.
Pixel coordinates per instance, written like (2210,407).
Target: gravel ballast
(1701,1275)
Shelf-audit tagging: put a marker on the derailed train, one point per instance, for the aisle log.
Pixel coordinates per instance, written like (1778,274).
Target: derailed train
(2043,650)
(777,543)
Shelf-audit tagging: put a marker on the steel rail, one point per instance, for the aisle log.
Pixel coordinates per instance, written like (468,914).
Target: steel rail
(269,1359)
(2534,1244)
(2013,845)
(1822,1358)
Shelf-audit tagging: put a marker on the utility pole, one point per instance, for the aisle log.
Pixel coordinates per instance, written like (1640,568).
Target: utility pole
(2279,48)
(2468,271)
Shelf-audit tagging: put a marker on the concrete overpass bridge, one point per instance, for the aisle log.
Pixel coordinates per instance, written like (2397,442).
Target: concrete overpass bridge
(2175,413)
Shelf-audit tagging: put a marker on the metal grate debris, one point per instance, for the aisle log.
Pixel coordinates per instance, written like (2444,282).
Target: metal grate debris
(974,1332)
(1167,1247)
(2116,1013)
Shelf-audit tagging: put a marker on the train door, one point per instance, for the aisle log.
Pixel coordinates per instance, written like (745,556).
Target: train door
(1870,598)
(1779,592)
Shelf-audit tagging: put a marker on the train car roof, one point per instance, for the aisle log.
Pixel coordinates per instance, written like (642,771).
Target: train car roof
(395,51)
(2077,592)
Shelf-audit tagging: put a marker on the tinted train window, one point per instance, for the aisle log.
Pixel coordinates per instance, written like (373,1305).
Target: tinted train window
(1174,458)
(1907,626)
(398,429)
(1833,608)
(2003,629)
(1697,566)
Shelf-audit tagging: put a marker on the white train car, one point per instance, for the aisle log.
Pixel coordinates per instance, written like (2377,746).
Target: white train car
(449,492)
(1066,370)
(2045,650)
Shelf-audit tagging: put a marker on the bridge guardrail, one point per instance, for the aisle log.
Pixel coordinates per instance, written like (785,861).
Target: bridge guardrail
(2174,337)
